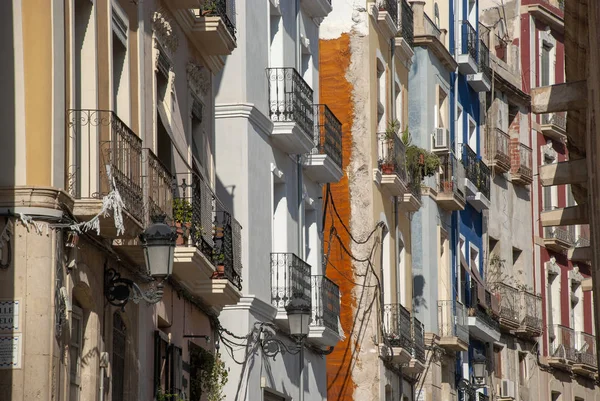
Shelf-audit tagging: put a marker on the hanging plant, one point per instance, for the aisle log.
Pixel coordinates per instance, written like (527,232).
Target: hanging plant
(208,375)
(182,210)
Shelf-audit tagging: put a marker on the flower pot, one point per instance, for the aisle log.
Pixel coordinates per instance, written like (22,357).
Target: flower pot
(387,168)
(219,271)
(183,233)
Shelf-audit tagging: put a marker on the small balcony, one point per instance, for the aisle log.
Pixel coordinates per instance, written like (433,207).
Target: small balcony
(521,166)
(397,330)
(451,183)
(406,24)
(387,17)
(453,328)
(562,353)
(586,363)
(417,362)
(558,238)
(530,315)
(411,202)
(317,8)
(510,305)
(477,180)
(498,151)
(291,110)
(208,260)
(391,172)
(324,163)
(467,59)
(290,279)
(482,323)
(554,126)
(481,81)
(324,328)
(211,25)
(105,158)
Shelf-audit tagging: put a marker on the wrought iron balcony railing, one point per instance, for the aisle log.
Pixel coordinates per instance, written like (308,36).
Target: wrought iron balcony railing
(392,156)
(227,246)
(524,163)
(158,185)
(484,60)
(583,241)
(414,182)
(221,8)
(103,147)
(452,176)
(531,310)
(290,98)
(586,349)
(391,6)
(562,343)
(498,149)
(483,397)
(484,179)
(397,326)
(328,134)
(418,340)
(477,309)
(407,23)
(452,320)
(558,119)
(560,233)
(326,303)
(476,170)
(469,39)
(290,279)
(510,302)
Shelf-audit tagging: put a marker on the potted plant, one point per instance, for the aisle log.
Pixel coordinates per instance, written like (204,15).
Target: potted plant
(182,215)
(208,375)
(388,162)
(209,7)
(219,260)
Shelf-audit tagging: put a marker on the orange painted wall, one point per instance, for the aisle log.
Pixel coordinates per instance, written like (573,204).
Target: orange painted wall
(336,92)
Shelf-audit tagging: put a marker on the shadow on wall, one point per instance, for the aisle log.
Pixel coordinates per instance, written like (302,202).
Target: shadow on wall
(418,293)
(7,157)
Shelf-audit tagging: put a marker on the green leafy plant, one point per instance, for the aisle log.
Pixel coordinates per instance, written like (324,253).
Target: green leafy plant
(160,396)
(182,210)
(419,162)
(208,375)
(209,7)
(392,129)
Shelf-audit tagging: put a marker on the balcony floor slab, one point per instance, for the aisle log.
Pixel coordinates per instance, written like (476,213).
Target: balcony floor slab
(479,329)
(322,169)
(290,138)
(323,336)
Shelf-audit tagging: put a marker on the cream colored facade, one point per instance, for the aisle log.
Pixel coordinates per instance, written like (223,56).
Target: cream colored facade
(65,65)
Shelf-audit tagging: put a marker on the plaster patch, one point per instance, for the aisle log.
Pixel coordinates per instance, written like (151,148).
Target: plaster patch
(347,16)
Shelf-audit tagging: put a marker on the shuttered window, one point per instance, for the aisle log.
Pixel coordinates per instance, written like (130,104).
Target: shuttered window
(168,366)
(119,344)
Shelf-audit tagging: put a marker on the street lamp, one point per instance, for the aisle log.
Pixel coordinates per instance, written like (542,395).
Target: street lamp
(479,368)
(298,313)
(158,243)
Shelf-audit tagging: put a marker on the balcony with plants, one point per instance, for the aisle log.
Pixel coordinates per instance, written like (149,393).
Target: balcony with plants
(562,353)
(290,280)
(477,181)
(521,171)
(292,111)
(586,362)
(554,126)
(451,193)
(210,24)
(324,327)
(484,313)
(105,158)
(420,164)
(386,14)
(397,333)
(498,150)
(481,81)
(208,259)
(417,362)
(324,163)
(453,328)
(467,59)
(510,306)
(405,37)
(391,172)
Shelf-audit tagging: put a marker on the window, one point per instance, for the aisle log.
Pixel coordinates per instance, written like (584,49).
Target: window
(280,216)
(75,346)
(399,113)
(472,134)
(119,344)
(84,55)
(201,144)
(276,39)
(555,396)
(442,108)
(523,368)
(381,123)
(269,396)
(388,288)
(120,64)
(498,362)
(164,149)
(545,66)
(168,365)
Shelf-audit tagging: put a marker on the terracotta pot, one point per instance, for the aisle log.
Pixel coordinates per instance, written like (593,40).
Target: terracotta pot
(183,233)
(387,168)
(219,272)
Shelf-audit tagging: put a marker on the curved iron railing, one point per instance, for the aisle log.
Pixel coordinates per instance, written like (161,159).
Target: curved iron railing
(227,246)
(531,310)
(407,23)
(586,349)
(158,184)
(476,170)
(510,300)
(225,10)
(328,134)
(499,148)
(290,98)
(452,176)
(290,279)
(563,343)
(469,39)
(102,144)
(397,326)
(326,303)
(392,156)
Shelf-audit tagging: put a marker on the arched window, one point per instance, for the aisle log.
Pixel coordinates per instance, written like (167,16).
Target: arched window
(436,12)
(118,357)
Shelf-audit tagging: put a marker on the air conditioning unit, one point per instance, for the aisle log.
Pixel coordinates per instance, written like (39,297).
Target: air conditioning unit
(507,389)
(441,139)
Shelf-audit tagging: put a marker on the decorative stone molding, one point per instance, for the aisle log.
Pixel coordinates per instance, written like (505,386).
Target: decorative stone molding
(575,276)
(198,79)
(164,32)
(552,269)
(549,151)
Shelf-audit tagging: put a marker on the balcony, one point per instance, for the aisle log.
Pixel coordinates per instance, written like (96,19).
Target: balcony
(477,180)
(391,172)
(451,183)
(562,347)
(498,151)
(482,324)
(290,279)
(397,332)
(558,239)
(406,24)
(467,59)
(387,17)
(417,362)
(324,328)
(317,8)
(453,329)
(324,163)
(510,305)
(586,363)
(208,259)
(530,315)
(105,158)
(481,81)
(291,110)
(211,27)
(521,170)
(554,126)
(411,202)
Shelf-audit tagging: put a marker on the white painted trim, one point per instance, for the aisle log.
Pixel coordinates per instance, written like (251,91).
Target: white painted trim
(251,303)
(245,110)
